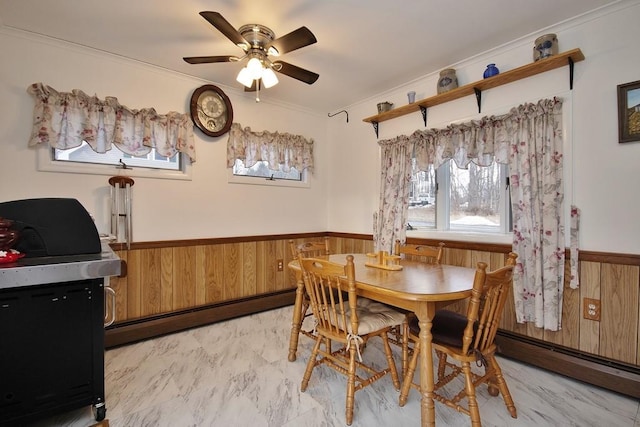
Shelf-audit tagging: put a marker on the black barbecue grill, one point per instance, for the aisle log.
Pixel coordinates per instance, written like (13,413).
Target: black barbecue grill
(52,312)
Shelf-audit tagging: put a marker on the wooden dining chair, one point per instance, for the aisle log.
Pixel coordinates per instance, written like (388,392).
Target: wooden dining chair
(424,253)
(420,253)
(468,339)
(343,318)
(308,250)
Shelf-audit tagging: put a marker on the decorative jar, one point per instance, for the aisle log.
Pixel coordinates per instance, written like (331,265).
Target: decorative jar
(384,106)
(491,70)
(447,80)
(545,46)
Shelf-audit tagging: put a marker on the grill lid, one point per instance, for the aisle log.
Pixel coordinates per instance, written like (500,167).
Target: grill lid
(52,227)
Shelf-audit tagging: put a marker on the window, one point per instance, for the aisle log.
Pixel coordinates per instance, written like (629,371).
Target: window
(85,154)
(475,199)
(261,170)
(83,159)
(261,174)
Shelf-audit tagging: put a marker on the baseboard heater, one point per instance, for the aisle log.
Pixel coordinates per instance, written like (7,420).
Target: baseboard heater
(599,371)
(151,327)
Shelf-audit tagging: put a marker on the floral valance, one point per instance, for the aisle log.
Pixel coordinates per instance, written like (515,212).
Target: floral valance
(65,119)
(275,148)
(480,141)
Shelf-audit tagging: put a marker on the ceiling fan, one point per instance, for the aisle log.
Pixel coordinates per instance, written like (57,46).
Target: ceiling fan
(259,44)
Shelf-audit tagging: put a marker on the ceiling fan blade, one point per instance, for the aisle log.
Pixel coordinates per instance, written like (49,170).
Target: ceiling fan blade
(294,40)
(210,59)
(225,28)
(309,77)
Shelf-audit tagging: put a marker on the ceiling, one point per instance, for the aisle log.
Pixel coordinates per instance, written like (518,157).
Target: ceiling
(364,46)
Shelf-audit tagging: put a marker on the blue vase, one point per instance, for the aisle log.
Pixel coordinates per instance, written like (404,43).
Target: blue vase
(491,70)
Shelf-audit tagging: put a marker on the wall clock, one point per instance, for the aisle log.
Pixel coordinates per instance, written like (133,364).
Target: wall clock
(211,110)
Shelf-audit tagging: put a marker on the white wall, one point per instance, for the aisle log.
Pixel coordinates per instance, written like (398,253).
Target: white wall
(207,206)
(602,174)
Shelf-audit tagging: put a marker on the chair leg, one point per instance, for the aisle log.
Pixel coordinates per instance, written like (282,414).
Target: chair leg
(470,390)
(390,362)
(351,385)
(405,345)
(310,364)
(502,386)
(408,375)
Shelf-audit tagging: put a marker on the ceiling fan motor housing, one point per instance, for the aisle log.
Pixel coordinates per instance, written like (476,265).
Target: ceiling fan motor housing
(257,35)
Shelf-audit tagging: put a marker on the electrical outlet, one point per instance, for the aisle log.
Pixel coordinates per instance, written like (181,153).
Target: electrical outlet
(591,309)
(280,263)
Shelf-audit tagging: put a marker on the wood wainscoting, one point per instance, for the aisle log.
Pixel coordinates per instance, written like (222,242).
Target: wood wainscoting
(176,285)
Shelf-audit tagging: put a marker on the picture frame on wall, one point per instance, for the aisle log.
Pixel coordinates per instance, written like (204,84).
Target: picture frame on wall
(629,112)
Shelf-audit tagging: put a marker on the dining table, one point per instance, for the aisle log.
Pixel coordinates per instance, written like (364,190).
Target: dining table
(418,287)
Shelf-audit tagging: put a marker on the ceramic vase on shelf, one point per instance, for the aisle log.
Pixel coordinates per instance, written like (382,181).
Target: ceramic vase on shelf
(545,46)
(447,80)
(491,70)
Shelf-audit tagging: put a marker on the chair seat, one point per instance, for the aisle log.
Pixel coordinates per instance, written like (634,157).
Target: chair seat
(447,328)
(372,316)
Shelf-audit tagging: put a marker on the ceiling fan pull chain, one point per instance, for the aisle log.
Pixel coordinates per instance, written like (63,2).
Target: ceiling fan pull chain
(258,90)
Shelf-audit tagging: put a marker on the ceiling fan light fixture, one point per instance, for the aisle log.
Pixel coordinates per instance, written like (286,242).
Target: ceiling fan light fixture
(244,77)
(269,78)
(254,66)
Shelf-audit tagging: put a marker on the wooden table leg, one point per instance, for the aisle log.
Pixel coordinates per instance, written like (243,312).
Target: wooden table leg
(427,407)
(297,319)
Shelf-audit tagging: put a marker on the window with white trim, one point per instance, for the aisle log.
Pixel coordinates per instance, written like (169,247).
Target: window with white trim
(85,154)
(471,200)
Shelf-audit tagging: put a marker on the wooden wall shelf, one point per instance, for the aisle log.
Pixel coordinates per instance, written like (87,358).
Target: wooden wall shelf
(556,61)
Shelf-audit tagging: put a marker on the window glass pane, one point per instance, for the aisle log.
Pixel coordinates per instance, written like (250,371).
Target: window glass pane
(422,198)
(85,154)
(261,170)
(474,197)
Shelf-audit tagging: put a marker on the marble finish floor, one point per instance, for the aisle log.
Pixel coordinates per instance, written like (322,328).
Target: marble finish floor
(236,373)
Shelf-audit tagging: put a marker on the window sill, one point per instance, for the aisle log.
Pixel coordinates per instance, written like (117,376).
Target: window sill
(506,238)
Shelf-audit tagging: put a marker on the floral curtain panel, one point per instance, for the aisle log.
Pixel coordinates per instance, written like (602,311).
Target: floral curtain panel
(65,119)
(537,194)
(273,147)
(529,140)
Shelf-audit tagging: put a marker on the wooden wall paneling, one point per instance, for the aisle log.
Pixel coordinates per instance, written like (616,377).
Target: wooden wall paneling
(134,278)
(347,246)
(232,271)
(460,257)
(119,285)
(283,278)
(200,275)
(589,288)
(249,274)
(214,273)
(286,277)
(362,246)
(569,334)
(619,318)
(166,279)
(150,282)
(184,274)
(479,256)
(262,267)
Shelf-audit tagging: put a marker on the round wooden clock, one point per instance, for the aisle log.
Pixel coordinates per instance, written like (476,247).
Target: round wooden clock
(211,110)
